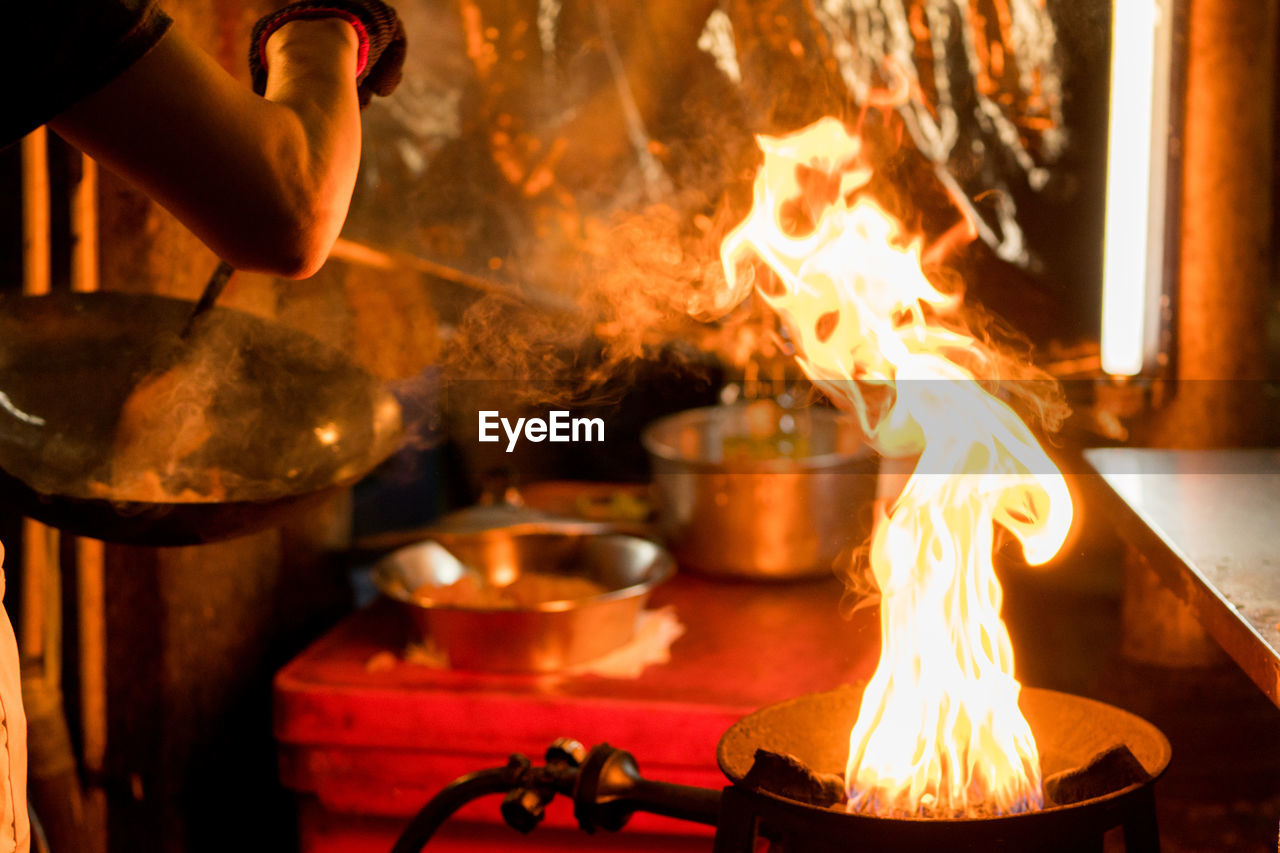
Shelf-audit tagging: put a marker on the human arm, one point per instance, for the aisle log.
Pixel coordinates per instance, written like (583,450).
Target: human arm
(264,181)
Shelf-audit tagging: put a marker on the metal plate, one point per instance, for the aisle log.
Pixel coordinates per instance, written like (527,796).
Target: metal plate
(1206,522)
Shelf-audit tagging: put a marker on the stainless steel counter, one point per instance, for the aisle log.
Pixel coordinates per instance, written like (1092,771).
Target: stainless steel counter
(1208,521)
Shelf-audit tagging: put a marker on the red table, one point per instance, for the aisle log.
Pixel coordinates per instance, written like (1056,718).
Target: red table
(365,738)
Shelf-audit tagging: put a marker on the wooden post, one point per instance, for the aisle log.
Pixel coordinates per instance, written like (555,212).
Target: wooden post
(39,543)
(90,553)
(53,775)
(1227,230)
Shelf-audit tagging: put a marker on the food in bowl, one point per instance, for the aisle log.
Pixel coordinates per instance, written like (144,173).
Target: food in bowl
(767,431)
(528,590)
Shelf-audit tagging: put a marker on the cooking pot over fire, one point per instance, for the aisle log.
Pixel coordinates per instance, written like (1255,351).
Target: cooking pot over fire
(113,426)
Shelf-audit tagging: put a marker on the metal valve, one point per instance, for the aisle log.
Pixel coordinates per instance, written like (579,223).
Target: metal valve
(566,750)
(524,807)
(604,782)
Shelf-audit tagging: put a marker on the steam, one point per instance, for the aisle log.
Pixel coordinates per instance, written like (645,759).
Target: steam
(626,299)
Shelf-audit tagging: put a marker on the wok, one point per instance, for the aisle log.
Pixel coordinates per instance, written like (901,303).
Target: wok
(284,420)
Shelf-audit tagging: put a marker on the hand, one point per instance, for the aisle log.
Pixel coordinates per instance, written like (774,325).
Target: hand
(380,60)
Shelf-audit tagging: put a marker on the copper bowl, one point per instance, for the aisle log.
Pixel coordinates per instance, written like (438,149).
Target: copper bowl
(542,636)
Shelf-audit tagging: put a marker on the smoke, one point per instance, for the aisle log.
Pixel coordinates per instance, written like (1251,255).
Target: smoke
(624,298)
(633,284)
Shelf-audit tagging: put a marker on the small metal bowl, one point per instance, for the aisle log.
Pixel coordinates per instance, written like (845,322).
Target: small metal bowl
(542,637)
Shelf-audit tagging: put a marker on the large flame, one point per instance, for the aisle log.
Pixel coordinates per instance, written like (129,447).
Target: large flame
(939,732)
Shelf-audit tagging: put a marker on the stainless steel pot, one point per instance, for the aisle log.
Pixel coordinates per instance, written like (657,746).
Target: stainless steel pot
(779,518)
(542,637)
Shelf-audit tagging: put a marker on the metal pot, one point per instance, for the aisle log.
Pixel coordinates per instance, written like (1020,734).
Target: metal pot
(780,518)
(538,637)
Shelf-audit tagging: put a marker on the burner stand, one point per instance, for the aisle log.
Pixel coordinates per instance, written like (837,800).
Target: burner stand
(607,788)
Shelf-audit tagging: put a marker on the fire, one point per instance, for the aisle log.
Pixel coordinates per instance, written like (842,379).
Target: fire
(939,733)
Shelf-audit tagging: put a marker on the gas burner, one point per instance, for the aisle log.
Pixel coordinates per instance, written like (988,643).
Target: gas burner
(607,788)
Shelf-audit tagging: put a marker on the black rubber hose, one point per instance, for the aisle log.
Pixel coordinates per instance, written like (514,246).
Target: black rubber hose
(453,797)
